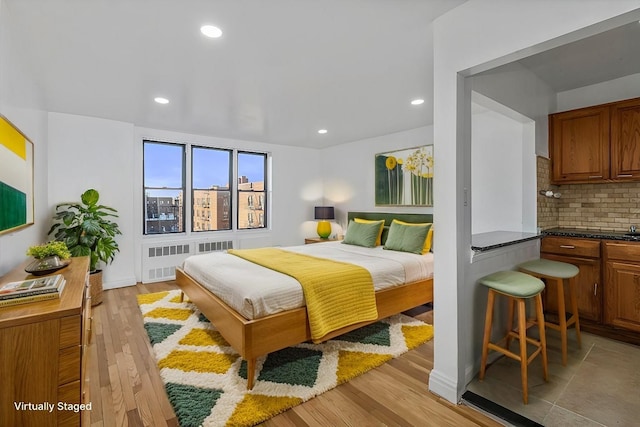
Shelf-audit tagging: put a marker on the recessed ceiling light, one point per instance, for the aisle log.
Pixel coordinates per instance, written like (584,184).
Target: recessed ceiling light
(322,131)
(211,31)
(417,102)
(161,100)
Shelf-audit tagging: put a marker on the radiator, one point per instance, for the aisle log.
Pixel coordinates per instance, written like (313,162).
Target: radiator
(159,260)
(204,247)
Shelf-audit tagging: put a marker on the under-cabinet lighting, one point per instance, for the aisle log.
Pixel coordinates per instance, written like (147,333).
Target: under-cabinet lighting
(549,193)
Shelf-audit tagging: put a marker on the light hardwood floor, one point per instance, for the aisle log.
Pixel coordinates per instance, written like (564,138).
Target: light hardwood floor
(126,389)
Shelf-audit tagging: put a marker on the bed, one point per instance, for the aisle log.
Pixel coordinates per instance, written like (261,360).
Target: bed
(255,334)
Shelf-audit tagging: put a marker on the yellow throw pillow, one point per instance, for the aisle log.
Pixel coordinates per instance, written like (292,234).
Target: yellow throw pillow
(428,244)
(429,239)
(370,221)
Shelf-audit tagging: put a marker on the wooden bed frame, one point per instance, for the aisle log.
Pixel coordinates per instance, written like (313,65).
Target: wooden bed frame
(258,337)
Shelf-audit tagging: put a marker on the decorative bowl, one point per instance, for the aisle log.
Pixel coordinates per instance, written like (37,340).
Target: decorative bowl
(46,265)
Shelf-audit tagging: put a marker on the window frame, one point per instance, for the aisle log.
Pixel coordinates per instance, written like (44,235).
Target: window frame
(183,147)
(229,189)
(264,191)
(187,215)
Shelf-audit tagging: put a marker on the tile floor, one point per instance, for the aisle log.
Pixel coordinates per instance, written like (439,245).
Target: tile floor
(600,386)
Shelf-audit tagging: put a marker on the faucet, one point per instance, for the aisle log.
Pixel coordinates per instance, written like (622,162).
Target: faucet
(632,229)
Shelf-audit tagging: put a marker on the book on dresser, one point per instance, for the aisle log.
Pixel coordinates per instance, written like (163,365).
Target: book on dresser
(31,290)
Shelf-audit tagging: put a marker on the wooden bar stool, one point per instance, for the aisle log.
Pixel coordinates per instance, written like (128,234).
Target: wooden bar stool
(558,273)
(518,287)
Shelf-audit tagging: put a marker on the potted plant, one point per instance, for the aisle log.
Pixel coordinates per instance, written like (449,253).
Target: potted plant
(49,257)
(54,248)
(87,230)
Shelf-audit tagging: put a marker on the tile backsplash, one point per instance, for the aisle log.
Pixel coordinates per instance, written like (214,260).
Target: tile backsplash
(607,206)
(547,207)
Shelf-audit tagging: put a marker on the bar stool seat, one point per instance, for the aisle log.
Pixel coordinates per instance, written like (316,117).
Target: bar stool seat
(558,273)
(518,287)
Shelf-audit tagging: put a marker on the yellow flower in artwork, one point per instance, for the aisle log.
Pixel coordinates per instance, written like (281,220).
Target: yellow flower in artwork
(419,163)
(399,161)
(391,162)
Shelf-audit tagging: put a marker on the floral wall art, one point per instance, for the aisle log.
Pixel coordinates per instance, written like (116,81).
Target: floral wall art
(405,177)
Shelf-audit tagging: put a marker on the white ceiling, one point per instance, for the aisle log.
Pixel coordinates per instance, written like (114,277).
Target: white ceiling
(605,56)
(282,69)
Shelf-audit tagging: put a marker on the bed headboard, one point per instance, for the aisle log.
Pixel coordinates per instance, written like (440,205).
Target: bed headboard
(388,217)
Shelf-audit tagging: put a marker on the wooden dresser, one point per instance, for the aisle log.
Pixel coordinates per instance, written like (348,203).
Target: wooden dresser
(43,374)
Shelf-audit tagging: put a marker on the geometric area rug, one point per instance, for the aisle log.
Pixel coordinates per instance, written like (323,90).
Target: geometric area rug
(205,379)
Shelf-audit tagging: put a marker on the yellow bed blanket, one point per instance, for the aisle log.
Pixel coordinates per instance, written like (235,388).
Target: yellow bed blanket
(337,294)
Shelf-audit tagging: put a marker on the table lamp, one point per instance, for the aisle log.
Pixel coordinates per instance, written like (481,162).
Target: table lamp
(323,213)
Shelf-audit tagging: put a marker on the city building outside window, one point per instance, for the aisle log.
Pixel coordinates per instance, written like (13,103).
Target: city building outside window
(252,177)
(164,188)
(211,178)
(209,184)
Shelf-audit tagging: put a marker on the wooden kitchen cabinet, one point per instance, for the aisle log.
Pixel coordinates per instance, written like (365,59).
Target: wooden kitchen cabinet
(608,284)
(596,144)
(584,254)
(625,140)
(622,297)
(43,352)
(579,145)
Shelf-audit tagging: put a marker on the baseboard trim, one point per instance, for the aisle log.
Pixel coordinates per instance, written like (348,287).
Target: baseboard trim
(122,283)
(443,386)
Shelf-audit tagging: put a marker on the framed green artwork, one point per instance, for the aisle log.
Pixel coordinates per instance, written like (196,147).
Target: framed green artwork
(16,178)
(404,177)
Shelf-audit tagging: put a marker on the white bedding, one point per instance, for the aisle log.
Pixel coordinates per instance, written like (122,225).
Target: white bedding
(255,291)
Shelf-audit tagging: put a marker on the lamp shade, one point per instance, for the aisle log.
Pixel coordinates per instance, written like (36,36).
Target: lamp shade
(324,212)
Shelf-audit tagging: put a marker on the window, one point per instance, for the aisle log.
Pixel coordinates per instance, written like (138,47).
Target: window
(164,188)
(210,177)
(251,190)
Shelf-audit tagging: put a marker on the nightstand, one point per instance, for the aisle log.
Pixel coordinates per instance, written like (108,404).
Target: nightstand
(309,240)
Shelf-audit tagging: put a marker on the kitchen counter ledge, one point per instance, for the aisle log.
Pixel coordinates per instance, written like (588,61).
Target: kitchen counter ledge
(591,234)
(498,239)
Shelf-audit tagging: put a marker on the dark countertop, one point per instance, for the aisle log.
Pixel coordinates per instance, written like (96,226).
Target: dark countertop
(497,239)
(592,234)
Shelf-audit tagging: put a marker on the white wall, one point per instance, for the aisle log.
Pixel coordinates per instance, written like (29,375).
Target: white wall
(469,39)
(601,93)
(349,176)
(496,173)
(87,152)
(17,90)
(503,168)
(520,89)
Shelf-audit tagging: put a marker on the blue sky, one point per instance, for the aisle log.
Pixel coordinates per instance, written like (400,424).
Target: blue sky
(211,167)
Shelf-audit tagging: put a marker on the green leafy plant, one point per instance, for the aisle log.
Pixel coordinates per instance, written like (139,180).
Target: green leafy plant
(87,229)
(54,248)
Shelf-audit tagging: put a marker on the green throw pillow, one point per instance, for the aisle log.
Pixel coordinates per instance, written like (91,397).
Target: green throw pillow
(407,238)
(362,234)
